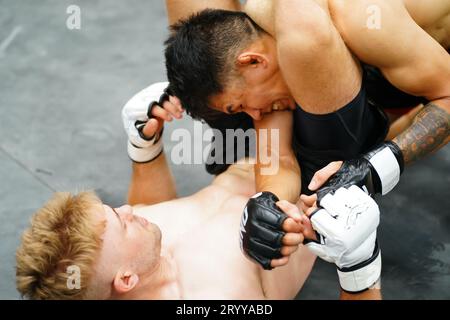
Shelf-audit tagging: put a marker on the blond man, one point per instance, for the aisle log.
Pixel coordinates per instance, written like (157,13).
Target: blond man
(162,247)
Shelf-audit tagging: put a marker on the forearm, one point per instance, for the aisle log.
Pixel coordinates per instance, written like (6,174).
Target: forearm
(276,168)
(371,294)
(151,182)
(429,132)
(182,9)
(285,183)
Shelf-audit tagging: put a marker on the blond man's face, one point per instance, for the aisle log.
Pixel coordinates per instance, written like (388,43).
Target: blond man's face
(130,242)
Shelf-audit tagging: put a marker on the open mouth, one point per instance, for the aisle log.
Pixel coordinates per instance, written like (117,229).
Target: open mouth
(277,105)
(282,104)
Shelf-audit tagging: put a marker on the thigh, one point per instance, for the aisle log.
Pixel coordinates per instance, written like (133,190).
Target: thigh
(320,71)
(181,9)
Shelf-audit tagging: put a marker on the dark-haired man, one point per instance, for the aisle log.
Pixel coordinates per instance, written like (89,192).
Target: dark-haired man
(307,57)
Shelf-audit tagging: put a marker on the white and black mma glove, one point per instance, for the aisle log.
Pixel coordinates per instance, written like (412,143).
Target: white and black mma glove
(261,233)
(378,171)
(346,227)
(135,114)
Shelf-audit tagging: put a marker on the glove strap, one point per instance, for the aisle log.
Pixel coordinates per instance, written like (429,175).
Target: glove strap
(144,155)
(362,276)
(388,163)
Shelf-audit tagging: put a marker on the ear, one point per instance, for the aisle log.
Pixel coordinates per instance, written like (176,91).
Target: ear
(252,59)
(125,282)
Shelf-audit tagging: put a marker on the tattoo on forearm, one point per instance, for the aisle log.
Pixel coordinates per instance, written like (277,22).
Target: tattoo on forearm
(430,129)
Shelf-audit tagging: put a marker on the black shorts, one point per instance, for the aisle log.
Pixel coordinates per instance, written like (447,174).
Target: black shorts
(383,94)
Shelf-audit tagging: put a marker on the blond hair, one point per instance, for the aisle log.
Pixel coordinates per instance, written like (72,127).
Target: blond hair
(63,233)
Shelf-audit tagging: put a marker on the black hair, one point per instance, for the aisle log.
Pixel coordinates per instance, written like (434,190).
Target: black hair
(200,55)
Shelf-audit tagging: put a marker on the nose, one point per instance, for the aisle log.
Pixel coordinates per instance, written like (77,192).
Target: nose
(128,216)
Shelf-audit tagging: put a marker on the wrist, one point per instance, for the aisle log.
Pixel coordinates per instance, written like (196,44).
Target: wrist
(362,276)
(387,163)
(145,153)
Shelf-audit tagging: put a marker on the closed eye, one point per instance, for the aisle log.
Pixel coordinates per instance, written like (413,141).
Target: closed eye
(121,221)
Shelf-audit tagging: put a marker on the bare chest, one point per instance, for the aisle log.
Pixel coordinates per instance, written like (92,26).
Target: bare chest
(211,266)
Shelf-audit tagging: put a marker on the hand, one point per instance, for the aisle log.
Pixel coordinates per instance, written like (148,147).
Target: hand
(296,223)
(168,110)
(143,118)
(377,172)
(268,235)
(319,178)
(346,227)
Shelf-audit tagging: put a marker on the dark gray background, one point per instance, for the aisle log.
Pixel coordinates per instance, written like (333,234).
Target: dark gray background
(61,93)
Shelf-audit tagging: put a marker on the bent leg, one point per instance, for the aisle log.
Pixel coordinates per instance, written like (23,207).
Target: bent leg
(181,9)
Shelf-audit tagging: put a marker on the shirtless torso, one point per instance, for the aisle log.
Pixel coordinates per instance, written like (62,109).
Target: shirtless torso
(201,233)
(433,15)
(349,45)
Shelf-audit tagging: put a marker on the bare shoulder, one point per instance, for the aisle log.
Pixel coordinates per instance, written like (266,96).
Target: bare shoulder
(378,32)
(353,17)
(424,13)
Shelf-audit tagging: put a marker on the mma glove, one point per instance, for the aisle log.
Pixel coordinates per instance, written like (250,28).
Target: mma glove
(135,114)
(377,171)
(346,228)
(261,232)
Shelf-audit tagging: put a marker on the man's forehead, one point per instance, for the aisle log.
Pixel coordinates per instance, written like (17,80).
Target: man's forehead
(112,225)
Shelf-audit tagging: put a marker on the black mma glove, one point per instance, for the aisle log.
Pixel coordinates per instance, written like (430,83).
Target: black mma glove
(260,231)
(377,172)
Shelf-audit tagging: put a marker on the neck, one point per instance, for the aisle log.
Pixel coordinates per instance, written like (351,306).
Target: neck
(159,283)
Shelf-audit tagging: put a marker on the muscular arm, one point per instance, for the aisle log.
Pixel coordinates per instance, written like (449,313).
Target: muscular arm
(410,59)
(429,132)
(151,182)
(277,169)
(180,9)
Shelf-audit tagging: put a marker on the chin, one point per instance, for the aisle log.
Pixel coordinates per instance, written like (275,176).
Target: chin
(156,232)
